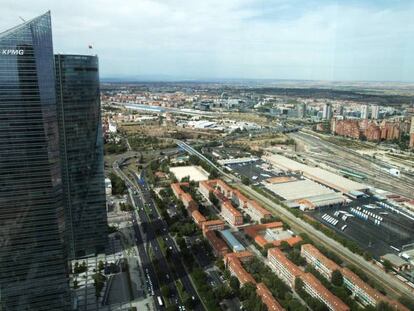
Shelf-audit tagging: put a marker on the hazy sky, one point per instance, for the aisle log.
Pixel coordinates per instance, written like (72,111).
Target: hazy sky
(201,39)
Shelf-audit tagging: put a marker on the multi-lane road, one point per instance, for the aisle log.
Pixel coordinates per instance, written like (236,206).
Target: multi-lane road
(146,237)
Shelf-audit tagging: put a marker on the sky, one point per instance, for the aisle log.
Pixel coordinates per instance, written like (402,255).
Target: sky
(342,40)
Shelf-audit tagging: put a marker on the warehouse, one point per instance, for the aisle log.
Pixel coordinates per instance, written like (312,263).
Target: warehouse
(317,174)
(196,173)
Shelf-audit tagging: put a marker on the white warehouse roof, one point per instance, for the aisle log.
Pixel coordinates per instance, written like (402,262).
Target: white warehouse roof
(332,180)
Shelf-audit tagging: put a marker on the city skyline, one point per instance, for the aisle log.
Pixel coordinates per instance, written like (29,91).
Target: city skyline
(240,39)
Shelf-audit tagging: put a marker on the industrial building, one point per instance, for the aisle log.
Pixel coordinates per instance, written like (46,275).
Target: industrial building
(316,174)
(304,192)
(195,173)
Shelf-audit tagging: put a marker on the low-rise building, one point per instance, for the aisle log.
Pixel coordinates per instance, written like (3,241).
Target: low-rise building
(315,288)
(219,247)
(231,214)
(235,267)
(264,293)
(198,218)
(213,225)
(361,290)
(317,260)
(397,262)
(271,233)
(284,268)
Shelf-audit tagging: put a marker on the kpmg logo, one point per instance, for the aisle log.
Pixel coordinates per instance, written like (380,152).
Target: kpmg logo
(12,52)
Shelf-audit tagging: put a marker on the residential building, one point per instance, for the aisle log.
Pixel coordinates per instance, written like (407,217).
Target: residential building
(81,143)
(231,214)
(375,112)
(283,267)
(264,293)
(33,266)
(317,260)
(364,111)
(327,111)
(212,225)
(219,247)
(235,267)
(315,288)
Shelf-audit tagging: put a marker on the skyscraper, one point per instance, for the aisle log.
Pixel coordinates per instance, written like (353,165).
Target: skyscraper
(364,112)
(33,273)
(374,112)
(301,109)
(327,111)
(81,141)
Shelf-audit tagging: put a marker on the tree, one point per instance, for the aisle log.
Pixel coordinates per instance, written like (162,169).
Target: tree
(212,198)
(165,291)
(245,180)
(247,290)
(298,285)
(285,246)
(387,265)
(337,278)
(234,283)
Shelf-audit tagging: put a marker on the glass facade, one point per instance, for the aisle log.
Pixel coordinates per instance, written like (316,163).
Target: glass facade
(33,274)
(81,142)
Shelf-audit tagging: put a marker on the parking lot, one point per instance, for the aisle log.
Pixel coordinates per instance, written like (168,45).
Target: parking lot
(374,228)
(256,171)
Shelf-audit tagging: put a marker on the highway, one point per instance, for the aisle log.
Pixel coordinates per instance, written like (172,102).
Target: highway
(180,271)
(390,283)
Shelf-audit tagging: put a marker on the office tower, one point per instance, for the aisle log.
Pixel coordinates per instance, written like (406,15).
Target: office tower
(364,112)
(375,112)
(33,274)
(341,110)
(301,108)
(80,129)
(327,111)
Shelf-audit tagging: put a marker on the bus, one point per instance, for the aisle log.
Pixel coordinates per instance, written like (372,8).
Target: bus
(159,299)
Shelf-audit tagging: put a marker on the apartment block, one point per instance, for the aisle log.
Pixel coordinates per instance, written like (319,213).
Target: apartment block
(231,214)
(235,267)
(315,288)
(264,293)
(212,225)
(283,267)
(316,259)
(220,248)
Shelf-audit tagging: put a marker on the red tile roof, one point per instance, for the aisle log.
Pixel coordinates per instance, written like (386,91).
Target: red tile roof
(264,293)
(335,303)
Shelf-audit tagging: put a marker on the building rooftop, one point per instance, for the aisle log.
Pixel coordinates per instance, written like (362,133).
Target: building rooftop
(395,260)
(332,266)
(298,189)
(332,180)
(228,206)
(264,293)
(336,303)
(232,241)
(278,254)
(242,275)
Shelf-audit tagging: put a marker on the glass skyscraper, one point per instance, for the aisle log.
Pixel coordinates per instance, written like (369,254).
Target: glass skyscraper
(33,274)
(80,128)
(52,192)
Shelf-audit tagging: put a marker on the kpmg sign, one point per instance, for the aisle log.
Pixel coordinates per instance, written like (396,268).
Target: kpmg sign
(12,52)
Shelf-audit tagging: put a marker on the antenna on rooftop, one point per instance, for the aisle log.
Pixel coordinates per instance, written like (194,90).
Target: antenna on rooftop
(24,21)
